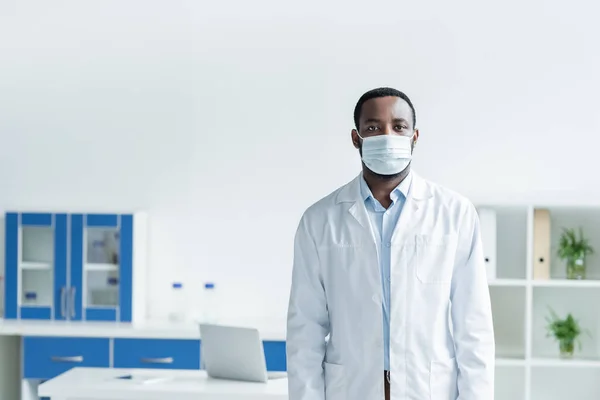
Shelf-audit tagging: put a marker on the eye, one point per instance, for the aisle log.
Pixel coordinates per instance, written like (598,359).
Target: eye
(401,127)
(371,128)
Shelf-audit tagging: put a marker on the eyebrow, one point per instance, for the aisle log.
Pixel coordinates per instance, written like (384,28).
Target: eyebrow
(377,121)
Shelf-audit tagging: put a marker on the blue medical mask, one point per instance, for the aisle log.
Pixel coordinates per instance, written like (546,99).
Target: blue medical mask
(386,154)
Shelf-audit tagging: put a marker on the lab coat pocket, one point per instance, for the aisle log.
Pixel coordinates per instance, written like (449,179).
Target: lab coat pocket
(435,256)
(443,380)
(335,385)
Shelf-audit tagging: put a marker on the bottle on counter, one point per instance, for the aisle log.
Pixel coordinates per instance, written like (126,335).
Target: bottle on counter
(178,303)
(209,304)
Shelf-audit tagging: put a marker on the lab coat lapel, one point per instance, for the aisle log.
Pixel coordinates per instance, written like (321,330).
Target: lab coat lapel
(413,210)
(358,212)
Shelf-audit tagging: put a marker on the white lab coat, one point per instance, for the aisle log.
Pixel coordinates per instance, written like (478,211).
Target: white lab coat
(442,339)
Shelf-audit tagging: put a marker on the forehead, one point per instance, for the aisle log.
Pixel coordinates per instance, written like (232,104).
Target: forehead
(389,107)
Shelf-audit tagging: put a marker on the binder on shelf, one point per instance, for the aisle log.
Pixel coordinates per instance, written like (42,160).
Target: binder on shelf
(541,244)
(487,220)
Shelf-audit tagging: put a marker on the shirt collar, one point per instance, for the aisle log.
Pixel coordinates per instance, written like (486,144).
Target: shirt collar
(401,190)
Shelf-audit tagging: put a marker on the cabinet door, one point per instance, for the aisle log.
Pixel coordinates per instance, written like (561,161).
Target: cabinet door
(100,267)
(11,273)
(47,357)
(126,269)
(36,264)
(157,353)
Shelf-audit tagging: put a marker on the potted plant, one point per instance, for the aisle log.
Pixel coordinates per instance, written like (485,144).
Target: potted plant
(565,331)
(574,251)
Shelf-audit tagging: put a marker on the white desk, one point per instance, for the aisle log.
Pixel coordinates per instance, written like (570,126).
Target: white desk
(13,333)
(102,384)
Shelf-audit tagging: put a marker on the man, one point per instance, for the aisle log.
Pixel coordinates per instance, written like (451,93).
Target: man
(389,296)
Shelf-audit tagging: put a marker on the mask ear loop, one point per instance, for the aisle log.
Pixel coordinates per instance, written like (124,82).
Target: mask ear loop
(362,139)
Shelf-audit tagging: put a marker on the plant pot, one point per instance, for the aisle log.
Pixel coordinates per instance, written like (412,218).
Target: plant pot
(567,348)
(576,267)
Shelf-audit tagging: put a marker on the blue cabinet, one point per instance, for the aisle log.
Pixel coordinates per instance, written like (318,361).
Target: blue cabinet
(36,266)
(77,267)
(102,266)
(47,357)
(180,354)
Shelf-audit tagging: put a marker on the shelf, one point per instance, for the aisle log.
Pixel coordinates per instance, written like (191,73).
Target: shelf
(510,362)
(101,267)
(550,283)
(562,363)
(504,237)
(39,266)
(37,246)
(550,383)
(507,283)
(588,219)
(509,319)
(510,383)
(566,283)
(582,302)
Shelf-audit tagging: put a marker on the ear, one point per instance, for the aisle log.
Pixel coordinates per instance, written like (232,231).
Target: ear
(415,137)
(355,138)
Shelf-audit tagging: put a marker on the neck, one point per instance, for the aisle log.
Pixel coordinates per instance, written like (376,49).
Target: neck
(382,186)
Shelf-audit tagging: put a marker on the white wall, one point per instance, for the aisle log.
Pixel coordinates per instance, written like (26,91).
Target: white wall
(225,120)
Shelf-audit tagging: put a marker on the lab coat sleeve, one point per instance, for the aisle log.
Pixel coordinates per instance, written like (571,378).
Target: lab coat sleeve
(472,316)
(307,322)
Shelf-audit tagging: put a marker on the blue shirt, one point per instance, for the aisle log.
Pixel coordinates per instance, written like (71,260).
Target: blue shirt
(383,222)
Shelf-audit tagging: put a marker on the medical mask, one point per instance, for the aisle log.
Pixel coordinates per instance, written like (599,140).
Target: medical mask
(386,154)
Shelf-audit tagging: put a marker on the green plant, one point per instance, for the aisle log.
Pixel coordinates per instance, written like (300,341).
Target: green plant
(571,247)
(565,331)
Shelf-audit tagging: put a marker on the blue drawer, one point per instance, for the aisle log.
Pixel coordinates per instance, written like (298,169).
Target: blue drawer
(157,353)
(36,313)
(47,357)
(275,356)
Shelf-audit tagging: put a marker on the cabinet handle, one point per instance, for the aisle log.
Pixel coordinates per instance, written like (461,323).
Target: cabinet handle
(73,288)
(63,302)
(166,360)
(74,359)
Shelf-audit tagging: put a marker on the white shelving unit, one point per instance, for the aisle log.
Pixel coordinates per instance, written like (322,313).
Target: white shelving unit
(528,364)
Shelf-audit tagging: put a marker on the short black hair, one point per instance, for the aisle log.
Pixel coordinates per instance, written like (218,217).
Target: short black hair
(382,92)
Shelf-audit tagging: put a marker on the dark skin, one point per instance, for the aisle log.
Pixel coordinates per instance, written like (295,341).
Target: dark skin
(384,116)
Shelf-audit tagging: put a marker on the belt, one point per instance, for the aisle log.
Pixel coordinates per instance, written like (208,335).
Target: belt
(386,385)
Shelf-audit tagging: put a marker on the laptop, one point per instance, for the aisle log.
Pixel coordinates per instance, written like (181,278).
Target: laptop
(234,353)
